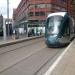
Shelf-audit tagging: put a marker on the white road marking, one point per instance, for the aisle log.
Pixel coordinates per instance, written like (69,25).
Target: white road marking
(52,67)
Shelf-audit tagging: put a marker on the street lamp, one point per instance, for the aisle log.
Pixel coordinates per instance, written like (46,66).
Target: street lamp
(8,15)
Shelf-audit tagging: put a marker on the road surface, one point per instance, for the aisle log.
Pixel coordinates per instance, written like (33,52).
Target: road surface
(27,58)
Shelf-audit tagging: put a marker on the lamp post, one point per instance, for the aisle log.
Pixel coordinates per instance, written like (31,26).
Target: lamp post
(8,15)
(4,29)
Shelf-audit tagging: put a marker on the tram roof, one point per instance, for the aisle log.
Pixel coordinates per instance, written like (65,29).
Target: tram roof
(57,13)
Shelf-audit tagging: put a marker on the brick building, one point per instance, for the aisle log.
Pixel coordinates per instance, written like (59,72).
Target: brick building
(34,12)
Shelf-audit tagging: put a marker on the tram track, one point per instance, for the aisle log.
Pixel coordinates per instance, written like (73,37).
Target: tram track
(28,60)
(32,64)
(18,55)
(18,46)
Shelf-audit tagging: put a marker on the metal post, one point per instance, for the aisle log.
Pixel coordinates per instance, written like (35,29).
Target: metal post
(8,15)
(4,29)
(27,30)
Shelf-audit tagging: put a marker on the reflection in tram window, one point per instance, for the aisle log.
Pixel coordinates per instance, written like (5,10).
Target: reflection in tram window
(54,23)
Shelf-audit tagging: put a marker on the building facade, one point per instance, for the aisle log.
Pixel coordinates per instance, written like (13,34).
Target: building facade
(8,26)
(34,12)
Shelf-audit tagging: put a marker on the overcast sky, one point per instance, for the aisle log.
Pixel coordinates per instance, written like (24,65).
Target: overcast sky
(3,7)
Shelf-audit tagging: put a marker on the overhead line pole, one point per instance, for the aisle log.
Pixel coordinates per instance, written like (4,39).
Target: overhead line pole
(8,15)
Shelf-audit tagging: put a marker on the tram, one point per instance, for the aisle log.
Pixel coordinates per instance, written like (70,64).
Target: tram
(59,29)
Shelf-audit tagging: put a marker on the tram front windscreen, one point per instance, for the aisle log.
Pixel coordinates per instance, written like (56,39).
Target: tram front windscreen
(54,25)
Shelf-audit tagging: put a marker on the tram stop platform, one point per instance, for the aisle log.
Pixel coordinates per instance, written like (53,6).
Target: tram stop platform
(11,41)
(65,63)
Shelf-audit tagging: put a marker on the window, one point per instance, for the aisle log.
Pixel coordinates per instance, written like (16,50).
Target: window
(66,27)
(49,5)
(42,13)
(54,24)
(40,6)
(73,2)
(61,0)
(39,13)
(71,22)
(63,9)
(30,13)
(31,6)
(57,7)
(36,13)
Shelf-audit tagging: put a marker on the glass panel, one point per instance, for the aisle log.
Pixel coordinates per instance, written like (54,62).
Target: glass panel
(53,24)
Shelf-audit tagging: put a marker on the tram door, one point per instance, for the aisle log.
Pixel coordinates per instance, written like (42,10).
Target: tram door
(66,28)
(72,28)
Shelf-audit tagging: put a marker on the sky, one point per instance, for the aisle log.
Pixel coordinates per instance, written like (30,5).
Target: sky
(3,7)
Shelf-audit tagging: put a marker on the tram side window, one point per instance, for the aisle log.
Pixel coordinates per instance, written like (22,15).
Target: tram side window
(71,26)
(66,28)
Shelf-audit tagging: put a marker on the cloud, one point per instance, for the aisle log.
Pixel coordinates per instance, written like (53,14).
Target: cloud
(3,7)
